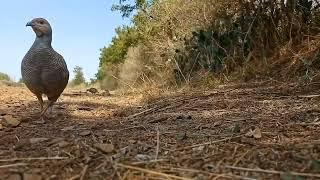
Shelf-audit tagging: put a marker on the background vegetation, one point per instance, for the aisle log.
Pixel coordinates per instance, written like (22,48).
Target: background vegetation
(78,77)
(4,76)
(202,43)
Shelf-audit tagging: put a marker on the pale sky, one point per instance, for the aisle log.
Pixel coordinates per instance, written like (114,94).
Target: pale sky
(80,29)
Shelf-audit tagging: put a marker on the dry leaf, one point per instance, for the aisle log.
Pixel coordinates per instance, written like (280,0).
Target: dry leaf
(257,133)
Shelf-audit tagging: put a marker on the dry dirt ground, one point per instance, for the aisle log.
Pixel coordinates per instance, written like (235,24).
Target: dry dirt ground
(245,131)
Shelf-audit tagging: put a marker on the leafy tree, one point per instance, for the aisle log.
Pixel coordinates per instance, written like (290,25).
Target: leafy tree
(117,50)
(78,76)
(127,8)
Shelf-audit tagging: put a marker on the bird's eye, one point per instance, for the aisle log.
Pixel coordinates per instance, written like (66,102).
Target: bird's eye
(41,22)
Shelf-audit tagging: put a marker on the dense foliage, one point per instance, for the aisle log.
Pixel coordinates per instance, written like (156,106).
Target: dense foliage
(175,41)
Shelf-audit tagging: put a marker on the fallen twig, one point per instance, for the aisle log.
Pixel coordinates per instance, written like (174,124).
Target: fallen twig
(152,172)
(309,96)
(240,158)
(158,142)
(272,171)
(203,144)
(13,165)
(33,158)
(74,177)
(151,161)
(142,112)
(84,171)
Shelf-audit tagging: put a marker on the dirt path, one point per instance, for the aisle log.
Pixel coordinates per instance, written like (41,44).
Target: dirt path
(203,135)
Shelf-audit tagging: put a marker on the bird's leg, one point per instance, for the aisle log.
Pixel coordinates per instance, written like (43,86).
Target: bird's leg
(44,110)
(40,102)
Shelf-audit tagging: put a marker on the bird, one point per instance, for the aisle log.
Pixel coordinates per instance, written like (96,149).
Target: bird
(44,71)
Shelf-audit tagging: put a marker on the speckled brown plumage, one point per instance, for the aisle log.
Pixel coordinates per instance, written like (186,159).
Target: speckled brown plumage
(44,71)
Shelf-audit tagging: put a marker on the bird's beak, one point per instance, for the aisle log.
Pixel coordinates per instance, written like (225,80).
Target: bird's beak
(30,24)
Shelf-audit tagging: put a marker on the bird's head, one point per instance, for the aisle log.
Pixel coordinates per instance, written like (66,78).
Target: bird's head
(40,26)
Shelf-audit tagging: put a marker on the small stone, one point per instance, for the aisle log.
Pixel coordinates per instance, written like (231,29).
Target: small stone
(106,148)
(92,90)
(1,127)
(217,123)
(85,133)
(63,144)
(182,136)
(68,128)
(143,157)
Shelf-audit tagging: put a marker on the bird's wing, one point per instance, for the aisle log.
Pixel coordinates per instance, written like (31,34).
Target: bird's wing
(55,76)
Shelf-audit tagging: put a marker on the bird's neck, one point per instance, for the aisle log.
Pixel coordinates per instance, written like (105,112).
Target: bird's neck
(43,41)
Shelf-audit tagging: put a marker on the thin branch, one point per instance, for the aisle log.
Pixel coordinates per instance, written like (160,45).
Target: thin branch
(142,112)
(151,161)
(158,142)
(84,171)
